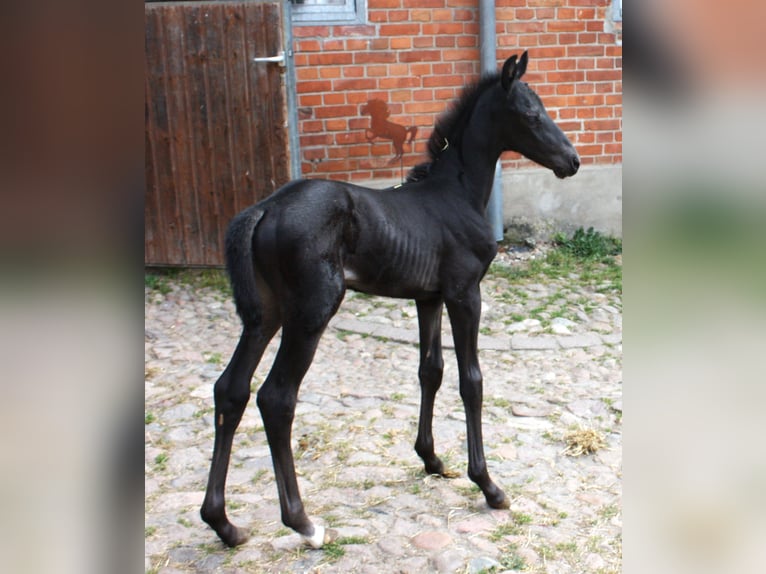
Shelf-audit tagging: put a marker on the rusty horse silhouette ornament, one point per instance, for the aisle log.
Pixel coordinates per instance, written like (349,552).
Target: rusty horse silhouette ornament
(292,256)
(382,127)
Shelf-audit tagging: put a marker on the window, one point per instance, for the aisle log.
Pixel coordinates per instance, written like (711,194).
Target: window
(617,10)
(329,11)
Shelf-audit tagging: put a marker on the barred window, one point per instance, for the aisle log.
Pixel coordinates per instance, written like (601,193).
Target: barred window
(329,11)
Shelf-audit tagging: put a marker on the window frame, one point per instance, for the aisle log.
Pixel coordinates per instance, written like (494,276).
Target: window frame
(350,13)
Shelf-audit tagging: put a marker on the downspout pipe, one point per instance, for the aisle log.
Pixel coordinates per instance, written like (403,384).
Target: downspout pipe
(290,88)
(488,62)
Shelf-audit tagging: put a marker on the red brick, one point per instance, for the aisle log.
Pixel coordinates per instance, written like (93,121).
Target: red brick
(353,71)
(311,126)
(440,81)
(586,63)
(353,45)
(423,107)
(460,55)
(377,71)
(603,125)
(465,15)
(545,2)
(329,72)
(566,14)
(564,26)
(316,140)
(420,15)
(420,69)
(352,30)
(330,59)
(567,38)
(445,41)
(391,83)
(332,45)
(548,52)
(573,76)
(374,57)
(308,46)
(524,27)
(356,97)
(579,51)
(527,40)
(354,84)
(334,98)
(423,95)
(467,41)
(302,74)
(311,31)
(523,14)
(419,56)
(442,28)
(335,111)
(594,26)
(591,100)
(604,137)
(381,4)
(398,15)
(587,38)
(423,42)
(399,29)
(603,75)
(604,87)
(379,44)
(401,43)
(586,150)
(336,125)
(400,96)
(431,3)
(316,86)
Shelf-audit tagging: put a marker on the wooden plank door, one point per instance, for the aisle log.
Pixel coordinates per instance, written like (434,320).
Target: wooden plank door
(216,136)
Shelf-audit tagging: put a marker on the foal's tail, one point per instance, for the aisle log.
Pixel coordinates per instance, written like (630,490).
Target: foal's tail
(239,263)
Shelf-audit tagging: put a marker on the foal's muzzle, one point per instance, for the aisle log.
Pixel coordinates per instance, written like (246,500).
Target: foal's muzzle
(571,167)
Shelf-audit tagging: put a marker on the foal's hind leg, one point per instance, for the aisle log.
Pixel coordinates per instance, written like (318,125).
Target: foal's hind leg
(430,375)
(309,315)
(232,392)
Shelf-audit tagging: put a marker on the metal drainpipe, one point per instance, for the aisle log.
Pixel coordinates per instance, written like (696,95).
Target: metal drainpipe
(488,59)
(290,88)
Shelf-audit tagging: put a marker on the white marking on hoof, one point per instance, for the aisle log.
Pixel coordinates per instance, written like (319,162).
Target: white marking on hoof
(316,540)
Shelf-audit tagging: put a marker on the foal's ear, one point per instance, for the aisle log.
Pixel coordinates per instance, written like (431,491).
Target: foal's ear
(508,73)
(512,70)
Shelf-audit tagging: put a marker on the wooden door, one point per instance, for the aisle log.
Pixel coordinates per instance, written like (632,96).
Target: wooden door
(216,136)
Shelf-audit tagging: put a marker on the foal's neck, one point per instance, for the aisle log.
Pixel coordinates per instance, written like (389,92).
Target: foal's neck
(480,149)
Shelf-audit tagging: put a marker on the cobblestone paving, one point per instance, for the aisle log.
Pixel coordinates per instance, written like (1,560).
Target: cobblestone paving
(551,355)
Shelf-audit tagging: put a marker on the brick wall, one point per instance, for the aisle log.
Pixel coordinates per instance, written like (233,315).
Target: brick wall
(415,55)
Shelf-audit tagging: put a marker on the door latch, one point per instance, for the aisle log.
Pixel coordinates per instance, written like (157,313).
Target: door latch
(278,59)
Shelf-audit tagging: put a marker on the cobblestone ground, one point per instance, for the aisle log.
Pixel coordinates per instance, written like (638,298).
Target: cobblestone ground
(551,359)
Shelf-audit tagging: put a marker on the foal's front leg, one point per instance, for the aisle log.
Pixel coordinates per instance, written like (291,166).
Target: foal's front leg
(430,375)
(464,311)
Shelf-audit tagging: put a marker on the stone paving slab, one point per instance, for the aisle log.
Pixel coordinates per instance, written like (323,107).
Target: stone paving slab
(354,432)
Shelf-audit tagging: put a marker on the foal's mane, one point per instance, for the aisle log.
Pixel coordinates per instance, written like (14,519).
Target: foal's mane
(449,127)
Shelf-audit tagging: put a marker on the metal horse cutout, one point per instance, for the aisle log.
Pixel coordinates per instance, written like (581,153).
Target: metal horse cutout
(381,127)
(292,256)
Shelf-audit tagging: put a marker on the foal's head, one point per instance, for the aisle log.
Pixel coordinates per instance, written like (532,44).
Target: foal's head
(529,129)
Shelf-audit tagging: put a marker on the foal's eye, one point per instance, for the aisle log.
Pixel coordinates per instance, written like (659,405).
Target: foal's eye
(533,117)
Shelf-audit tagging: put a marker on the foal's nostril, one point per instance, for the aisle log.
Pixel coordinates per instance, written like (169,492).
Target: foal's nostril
(576,163)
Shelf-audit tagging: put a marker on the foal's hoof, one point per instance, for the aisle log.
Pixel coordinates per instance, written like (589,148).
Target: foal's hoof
(234,536)
(320,537)
(499,501)
(450,474)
